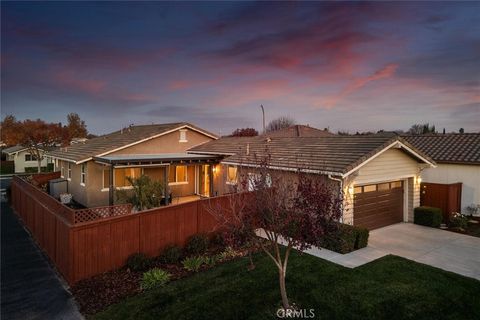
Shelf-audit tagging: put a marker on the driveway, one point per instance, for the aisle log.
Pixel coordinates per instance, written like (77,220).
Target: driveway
(30,288)
(439,248)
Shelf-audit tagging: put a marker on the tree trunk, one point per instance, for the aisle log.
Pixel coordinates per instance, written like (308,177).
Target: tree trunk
(283,288)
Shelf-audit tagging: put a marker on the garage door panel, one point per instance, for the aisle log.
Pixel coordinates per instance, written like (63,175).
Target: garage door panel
(375,209)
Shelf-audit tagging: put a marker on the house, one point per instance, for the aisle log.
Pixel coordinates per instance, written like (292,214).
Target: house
(458,159)
(378,174)
(23,159)
(97,167)
(299,130)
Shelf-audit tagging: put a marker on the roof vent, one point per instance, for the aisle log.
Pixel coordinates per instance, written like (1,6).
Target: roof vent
(248,149)
(268,139)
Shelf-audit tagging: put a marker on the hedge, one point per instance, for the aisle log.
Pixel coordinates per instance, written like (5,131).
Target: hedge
(427,216)
(346,239)
(48,168)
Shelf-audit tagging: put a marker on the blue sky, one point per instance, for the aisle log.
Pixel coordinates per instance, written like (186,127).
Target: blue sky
(347,66)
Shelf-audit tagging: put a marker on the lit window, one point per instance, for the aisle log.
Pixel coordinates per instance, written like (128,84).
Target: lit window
(122,174)
(106,179)
(231,174)
(69,172)
(178,174)
(370,188)
(396,184)
(83,174)
(383,187)
(357,190)
(183,136)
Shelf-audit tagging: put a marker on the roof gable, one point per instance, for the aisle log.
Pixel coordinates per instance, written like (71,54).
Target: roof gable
(119,140)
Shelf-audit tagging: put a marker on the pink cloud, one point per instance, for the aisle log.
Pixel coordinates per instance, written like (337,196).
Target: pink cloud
(179,85)
(386,72)
(69,80)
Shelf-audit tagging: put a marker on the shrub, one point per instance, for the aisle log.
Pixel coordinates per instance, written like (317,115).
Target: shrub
(138,262)
(193,263)
(458,220)
(218,239)
(154,278)
(197,244)
(228,253)
(361,237)
(427,216)
(212,260)
(171,254)
(345,239)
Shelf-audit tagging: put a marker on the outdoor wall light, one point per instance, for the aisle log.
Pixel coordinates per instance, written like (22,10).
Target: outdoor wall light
(350,190)
(419,179)
(214,168)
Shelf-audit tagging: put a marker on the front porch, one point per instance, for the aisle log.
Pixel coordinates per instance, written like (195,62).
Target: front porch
(184,177)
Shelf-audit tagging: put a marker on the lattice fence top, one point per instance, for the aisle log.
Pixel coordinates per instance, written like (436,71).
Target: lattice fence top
(92,214)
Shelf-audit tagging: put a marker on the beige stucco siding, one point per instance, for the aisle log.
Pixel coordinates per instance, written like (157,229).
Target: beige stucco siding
(468,175)
(168,143)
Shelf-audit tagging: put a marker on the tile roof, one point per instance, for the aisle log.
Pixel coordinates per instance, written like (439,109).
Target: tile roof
(461,148)
(97,146)
(14,149)
(299,131)
(330,154)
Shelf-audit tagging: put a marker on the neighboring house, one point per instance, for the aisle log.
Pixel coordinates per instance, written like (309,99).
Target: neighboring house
(299,130)
(378,174)
(97,167)
(22,158)
(458,159)
(78,140)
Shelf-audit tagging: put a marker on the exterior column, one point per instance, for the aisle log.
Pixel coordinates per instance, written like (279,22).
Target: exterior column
(165,187)
(210,177)
(110,187)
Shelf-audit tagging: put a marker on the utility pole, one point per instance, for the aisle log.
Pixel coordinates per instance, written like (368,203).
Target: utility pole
(263,112)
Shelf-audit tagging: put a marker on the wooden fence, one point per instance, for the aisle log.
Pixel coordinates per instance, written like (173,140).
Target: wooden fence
(447,197)
(82,250)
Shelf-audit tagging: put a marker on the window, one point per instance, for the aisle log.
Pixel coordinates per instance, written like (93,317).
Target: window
(357,190)
(370,188)
(396,184)
(231,174)
(30,157)
(384,186)
(106,179)
(120,176)
(183,135)
(62,172)
(178,174)
(69,171)
(83,174)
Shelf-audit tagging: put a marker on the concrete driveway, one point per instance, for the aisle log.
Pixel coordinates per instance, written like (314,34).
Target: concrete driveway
(439,248)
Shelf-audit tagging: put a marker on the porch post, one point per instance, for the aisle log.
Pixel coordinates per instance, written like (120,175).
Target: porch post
(210,174)
(110,187)
(165,187)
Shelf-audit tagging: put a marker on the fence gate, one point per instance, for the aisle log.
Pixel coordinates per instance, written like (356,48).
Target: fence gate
(444,196)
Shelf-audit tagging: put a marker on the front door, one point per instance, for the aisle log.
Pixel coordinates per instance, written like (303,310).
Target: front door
(204,180)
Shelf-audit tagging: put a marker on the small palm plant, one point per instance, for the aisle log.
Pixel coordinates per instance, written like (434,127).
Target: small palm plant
(146,193)
(154,278)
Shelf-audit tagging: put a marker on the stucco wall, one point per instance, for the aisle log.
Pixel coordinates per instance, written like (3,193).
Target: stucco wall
(468,175)
(168,143)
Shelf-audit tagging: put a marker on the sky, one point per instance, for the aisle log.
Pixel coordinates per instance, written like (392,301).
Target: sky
(350,66)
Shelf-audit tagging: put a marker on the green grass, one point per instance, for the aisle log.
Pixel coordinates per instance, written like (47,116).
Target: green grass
(388,288)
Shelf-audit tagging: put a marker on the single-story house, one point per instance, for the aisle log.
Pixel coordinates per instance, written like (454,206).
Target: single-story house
(458,160)
(22,158)
(378,174)
(97,167)
(299,130)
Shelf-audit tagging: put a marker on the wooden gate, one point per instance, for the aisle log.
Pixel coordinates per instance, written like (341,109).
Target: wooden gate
(444,196)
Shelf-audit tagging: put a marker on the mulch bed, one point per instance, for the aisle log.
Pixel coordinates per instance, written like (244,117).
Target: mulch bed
(97,293)
(473,229)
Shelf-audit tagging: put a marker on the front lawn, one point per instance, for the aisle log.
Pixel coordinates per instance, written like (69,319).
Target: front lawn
(388,288)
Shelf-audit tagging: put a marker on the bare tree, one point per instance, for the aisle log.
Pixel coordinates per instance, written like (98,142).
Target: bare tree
(418,129)
(280,123)
(290,211)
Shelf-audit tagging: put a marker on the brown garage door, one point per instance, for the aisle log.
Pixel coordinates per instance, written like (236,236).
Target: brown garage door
(378,205)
